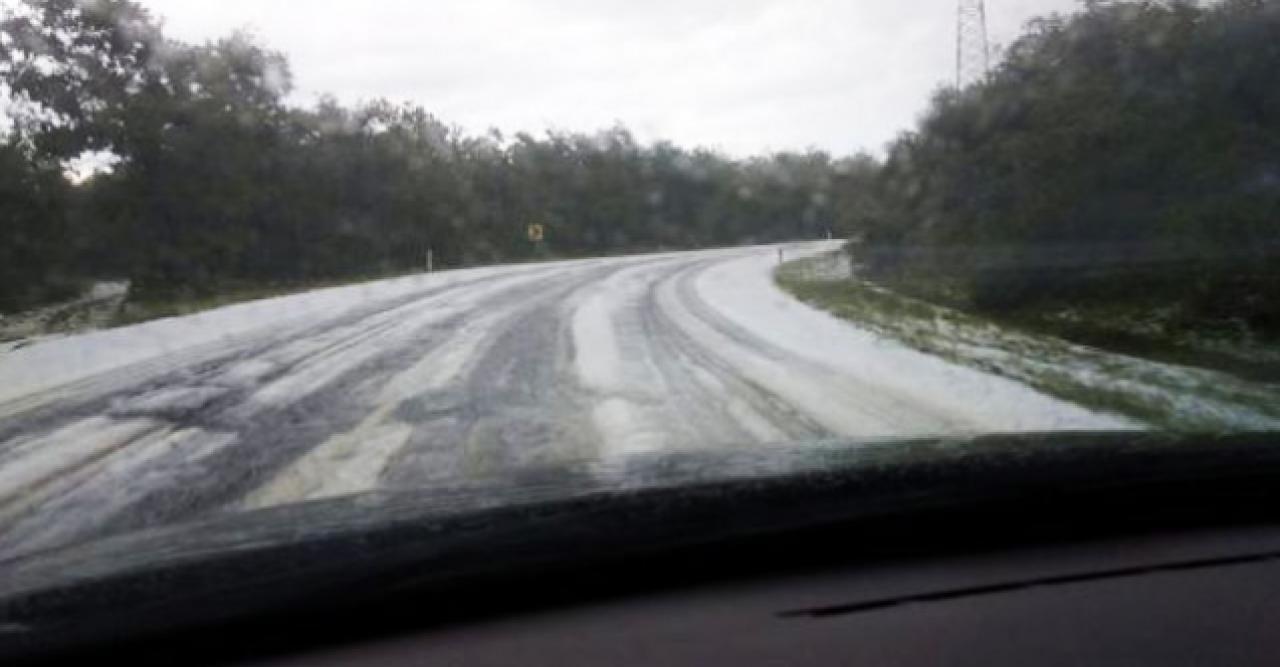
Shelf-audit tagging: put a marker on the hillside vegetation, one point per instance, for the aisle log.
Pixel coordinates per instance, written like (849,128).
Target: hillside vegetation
(1116,180)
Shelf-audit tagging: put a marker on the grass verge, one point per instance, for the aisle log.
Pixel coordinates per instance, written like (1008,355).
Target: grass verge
(1161,395)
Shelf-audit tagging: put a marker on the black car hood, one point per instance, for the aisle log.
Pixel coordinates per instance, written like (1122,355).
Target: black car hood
(665,477)
(559,517)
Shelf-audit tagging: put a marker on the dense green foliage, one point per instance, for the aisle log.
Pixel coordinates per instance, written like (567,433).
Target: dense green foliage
(35,237)
(219,184)
(1130,151)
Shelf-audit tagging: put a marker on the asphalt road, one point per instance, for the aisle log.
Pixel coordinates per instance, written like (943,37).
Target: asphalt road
(492,374)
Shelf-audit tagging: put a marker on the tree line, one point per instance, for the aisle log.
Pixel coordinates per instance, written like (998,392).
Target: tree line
(216,182)
(1129,151)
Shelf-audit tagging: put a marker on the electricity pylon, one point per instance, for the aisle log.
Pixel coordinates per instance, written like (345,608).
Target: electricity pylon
(973,55)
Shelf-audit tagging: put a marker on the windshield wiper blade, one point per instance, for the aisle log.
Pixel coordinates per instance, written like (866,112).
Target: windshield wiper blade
(848,608)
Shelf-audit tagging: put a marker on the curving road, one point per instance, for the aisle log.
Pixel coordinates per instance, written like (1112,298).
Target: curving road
(482,374)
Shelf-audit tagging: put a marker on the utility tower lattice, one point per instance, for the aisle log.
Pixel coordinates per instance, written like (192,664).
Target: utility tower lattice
(973,56)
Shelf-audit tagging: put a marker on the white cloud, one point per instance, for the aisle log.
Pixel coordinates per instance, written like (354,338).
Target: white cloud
(740,75)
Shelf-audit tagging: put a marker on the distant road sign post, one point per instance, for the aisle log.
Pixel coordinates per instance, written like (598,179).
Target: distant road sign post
(537,233)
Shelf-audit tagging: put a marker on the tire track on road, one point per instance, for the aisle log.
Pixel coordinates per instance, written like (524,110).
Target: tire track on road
(229,444)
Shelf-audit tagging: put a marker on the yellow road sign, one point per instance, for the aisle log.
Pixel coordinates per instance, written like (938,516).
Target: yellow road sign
(537,233)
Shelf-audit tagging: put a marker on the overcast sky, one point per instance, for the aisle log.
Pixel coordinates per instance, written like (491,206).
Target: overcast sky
(742,76)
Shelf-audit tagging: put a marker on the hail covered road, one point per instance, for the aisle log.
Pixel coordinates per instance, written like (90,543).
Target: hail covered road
(476,374)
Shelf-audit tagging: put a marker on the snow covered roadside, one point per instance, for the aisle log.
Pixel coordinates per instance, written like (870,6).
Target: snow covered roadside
(91,310)
(1155,394)
(744,292)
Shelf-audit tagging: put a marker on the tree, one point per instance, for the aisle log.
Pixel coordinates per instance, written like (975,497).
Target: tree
(74,64)
(34,264)
(1132,144)
(217,184)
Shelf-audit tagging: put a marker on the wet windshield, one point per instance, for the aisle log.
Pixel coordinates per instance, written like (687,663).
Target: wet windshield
(261,253)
